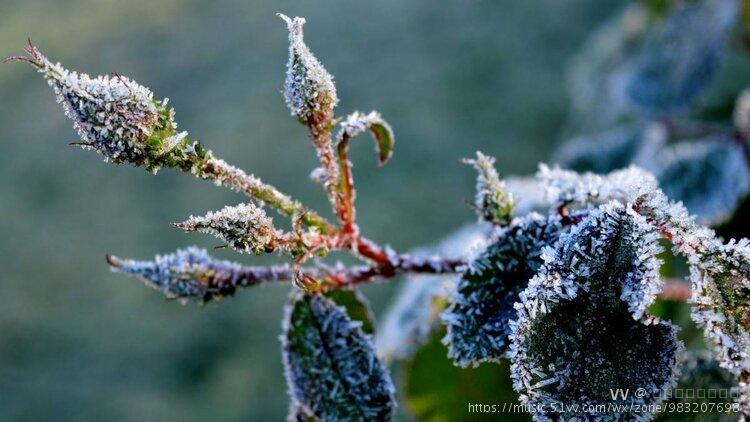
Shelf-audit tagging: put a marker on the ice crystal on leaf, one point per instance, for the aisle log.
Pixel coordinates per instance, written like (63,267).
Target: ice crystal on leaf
(721,305)
(492,201)
(188,274)
(710,176)
(119,118)
(582,327)
(566,187)
(480,309)
(309,90)
(246,228)
(330,364)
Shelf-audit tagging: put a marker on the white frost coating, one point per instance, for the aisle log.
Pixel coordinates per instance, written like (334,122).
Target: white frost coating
(309,90)
(245,227)
(411,317)
(528,194)
(612,239)
(721,306)
(112,114)
(568,187)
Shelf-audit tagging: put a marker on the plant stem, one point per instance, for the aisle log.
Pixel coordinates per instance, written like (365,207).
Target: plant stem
(224,174)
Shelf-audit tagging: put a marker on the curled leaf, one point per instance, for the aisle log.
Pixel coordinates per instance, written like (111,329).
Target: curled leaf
(482,306)
(330,363)
(356,123)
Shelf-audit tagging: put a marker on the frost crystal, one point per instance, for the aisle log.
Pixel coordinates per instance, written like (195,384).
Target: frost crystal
(710,176)
(309,90)
(119,118)
(480,309)
(245,227)
(493,202)
(188,274)
(568,187)
(330,364)
(582,327)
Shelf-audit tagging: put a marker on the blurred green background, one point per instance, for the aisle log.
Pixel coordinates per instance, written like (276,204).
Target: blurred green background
(79,343)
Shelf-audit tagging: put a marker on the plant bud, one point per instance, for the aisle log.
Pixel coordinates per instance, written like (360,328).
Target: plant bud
(309,90)
(493,202)
(245,227)
(118,118)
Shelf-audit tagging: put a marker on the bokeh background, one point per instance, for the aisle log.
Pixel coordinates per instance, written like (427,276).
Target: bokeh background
(79,343)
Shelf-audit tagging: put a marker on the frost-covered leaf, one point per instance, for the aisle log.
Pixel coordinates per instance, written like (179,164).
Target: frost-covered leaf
(582,327)
(330,363)
(480,309)
(580,351)
(191,274)
(492,200)
(356,306)
(414,312)
(437,390)
(710,176)
(721,299)
(680,55)
(612,149)
(357,122)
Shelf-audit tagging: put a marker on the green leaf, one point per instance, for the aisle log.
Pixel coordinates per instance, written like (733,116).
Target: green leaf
(436,390)
(330,363)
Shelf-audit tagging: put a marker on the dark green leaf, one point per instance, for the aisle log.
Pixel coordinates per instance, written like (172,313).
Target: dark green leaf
(331,366)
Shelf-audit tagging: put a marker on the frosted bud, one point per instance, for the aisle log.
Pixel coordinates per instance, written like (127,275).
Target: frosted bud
(493,202)
(118,118)
(309,90)
(246,228)
(188,274)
